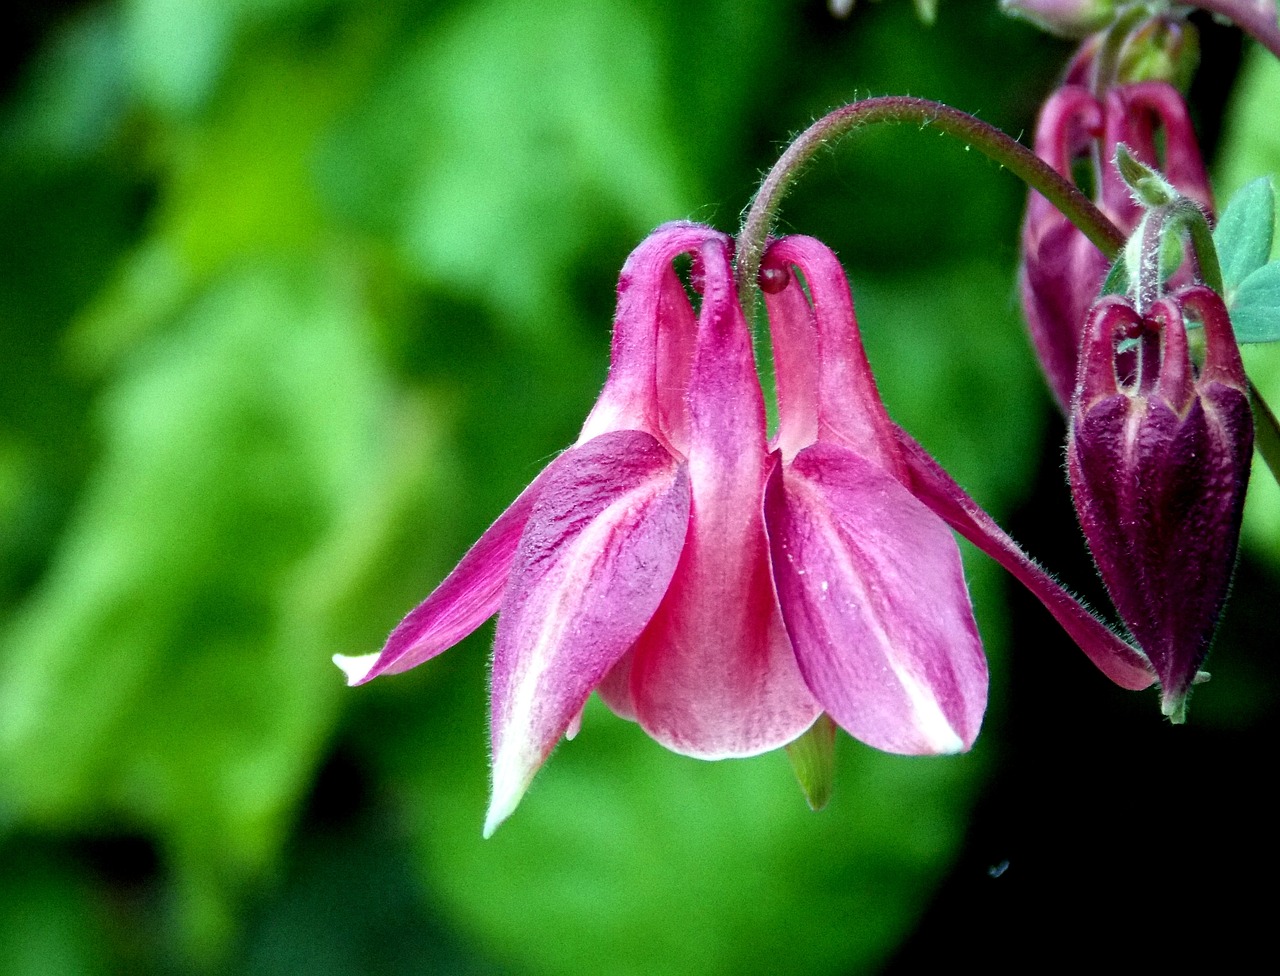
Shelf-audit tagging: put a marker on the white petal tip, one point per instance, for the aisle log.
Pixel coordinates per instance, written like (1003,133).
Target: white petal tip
(511,778)
(949,744)
(500,807)
(355,668)
(936,733)
(574,728)
(938,736)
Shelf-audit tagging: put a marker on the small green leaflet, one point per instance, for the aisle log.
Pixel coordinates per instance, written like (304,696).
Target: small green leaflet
(1117,282)
(1243,239)
(1243,234)
(1255,307)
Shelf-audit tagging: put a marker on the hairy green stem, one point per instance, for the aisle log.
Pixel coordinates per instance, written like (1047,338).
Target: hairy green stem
(996,145)
(989,140)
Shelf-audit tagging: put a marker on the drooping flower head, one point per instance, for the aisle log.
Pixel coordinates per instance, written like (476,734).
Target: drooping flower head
(1158,457)
(720,590)
(1062,272)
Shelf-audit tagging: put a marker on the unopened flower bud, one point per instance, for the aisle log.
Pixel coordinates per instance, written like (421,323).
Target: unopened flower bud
(1158,455)
(1165,48)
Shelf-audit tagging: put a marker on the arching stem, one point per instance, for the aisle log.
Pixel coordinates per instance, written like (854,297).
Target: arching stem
(989,140)
(993,143)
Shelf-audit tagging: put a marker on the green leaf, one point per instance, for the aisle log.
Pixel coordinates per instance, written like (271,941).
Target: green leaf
(1255,309)
(1243,234)
(1250,146)
(171,668)
(1117,282)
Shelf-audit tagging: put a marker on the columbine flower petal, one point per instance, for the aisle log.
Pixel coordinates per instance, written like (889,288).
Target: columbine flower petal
(653,341)
(869,580)
(875,601)
(468,597)
(596,557)
(714,675)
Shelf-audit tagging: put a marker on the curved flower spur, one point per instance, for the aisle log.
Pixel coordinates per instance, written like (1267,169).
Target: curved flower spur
(718,590)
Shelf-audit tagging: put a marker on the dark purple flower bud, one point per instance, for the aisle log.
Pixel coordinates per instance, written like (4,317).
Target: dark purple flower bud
(1158,455)
(1062,272)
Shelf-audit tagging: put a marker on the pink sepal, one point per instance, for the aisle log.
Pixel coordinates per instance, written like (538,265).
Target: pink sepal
(874,599)
(1119,661)
(597,555)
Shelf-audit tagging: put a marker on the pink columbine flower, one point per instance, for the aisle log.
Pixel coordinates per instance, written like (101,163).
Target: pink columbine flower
(1062,272)
(720,590)
(1158,457)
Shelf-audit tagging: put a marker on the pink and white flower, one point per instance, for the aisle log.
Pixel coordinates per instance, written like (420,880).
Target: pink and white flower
(719,589)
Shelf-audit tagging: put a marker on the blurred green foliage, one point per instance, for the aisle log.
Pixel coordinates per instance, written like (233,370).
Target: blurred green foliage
(297,295)
(1252,149)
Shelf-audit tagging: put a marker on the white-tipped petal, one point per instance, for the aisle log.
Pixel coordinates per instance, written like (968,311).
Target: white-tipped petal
(513,770)
(596,558)
(355,668)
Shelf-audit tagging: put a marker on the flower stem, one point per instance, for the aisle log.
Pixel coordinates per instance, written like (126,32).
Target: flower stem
(989,140)
(1010,154)
(1250,18)
(1266,432)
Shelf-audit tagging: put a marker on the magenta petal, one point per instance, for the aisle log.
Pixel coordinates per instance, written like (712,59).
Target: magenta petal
(713,675)
(875,601)
(597,555)
(615,688)
(469,596)
(1119,661)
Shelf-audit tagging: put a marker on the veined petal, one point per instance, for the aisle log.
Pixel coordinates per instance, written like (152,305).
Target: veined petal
(595,559)
(713,675)
(469,596)
(1118,660)
(875,601)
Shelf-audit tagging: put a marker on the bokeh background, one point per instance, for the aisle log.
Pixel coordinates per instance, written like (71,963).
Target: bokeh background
(296,295)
